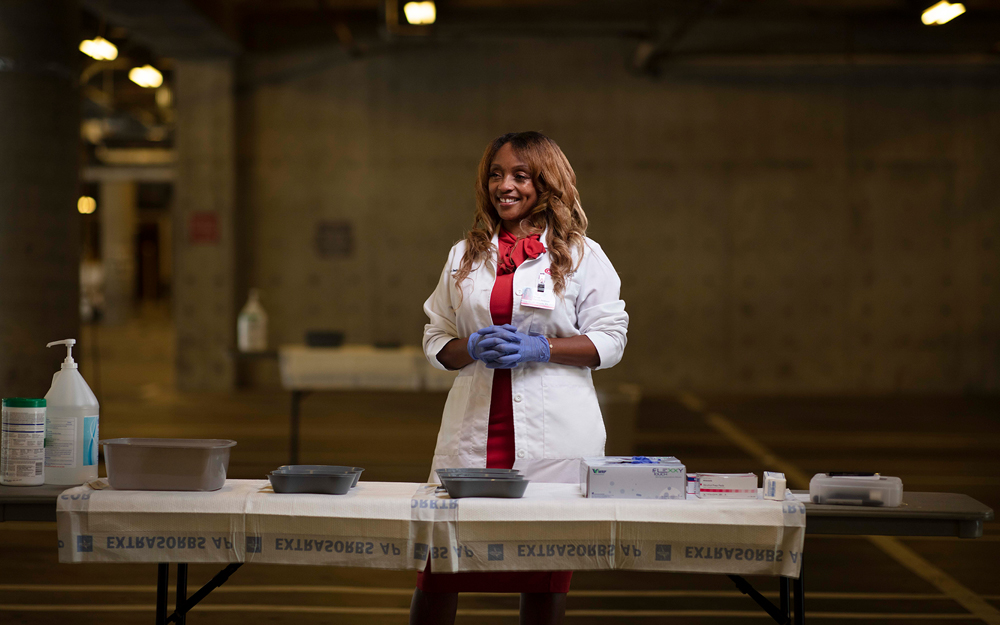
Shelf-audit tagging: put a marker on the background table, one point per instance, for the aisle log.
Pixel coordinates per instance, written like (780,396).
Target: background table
(920,514)
(353,367)
(29,503)
(306,370)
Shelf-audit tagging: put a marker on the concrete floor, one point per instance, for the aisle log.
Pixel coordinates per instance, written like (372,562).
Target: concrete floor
(932,443)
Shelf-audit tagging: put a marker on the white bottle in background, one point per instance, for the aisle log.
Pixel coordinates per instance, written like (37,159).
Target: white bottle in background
(251,326)
(71,425)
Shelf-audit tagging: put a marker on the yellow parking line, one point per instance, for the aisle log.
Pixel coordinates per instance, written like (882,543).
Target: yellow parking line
(309,609)
(986,538)
(892,547)
(363,590)
(691,402)
(797,478)
(941,580)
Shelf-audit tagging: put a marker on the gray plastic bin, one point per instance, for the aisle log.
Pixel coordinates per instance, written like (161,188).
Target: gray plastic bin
(167,463)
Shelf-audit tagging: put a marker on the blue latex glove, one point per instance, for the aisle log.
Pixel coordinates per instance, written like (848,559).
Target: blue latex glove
(503,347)
(476,346)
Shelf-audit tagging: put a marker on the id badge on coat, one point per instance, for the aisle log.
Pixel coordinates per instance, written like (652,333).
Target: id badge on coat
(540,294)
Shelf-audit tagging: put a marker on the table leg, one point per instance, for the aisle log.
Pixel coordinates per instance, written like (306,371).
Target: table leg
(293,434)
(162,579)
(786,607)
(181,598)
(779,615)
(800,595)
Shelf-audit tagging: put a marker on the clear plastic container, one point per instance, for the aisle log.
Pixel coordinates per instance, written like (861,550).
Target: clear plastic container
(167,463)
(856,490)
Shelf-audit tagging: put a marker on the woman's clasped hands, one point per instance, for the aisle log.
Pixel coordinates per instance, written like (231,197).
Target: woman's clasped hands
(504,347)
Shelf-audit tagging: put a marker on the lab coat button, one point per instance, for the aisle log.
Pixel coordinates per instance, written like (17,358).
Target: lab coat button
(517,292)
(517,397)
(520,454)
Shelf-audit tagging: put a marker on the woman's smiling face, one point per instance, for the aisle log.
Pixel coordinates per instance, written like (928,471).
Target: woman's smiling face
(512,190)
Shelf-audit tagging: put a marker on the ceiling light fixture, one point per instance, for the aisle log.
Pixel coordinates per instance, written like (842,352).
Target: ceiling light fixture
(420,12)
(86,205)
(146,76)
(99,48)
(942,12)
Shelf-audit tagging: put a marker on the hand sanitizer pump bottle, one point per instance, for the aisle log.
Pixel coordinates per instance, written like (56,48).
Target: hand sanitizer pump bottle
(251,325)
(71,425)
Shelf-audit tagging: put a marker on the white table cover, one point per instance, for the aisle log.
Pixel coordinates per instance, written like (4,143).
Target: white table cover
(404,526)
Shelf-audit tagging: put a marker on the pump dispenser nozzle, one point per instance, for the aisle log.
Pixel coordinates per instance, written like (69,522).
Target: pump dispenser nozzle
(69,363)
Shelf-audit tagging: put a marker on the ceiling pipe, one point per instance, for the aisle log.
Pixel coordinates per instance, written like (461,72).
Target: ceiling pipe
(648,53)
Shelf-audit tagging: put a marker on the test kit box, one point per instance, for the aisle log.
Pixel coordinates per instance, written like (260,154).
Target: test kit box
(727,485)
(624,477)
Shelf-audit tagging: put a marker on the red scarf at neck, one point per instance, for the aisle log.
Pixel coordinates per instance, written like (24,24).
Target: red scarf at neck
(519,250)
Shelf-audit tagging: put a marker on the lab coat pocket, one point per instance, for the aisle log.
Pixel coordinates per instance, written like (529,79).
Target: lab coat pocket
(574,427)
(454,414)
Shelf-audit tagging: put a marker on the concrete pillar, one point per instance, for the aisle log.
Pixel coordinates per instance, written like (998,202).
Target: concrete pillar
(119,216)
(204,246)
(39,223)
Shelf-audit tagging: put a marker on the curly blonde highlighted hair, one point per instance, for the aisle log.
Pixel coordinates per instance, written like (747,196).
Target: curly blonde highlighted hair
(558,206)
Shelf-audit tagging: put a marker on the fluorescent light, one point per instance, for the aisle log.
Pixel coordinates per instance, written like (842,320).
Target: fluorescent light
(420,12)
(942,12)
(99,48)
(146,76)
(86,205)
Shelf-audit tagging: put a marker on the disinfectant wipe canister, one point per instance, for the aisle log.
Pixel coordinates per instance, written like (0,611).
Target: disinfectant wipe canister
(71,425)
(22,442)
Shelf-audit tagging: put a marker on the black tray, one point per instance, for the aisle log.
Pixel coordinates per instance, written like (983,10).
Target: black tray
(500,475)
(320,469)
(459,487)
(478,471)
(319,483)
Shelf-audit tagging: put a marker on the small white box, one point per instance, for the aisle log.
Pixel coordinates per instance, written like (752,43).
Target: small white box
(774,485)
(622,477)
(727,485)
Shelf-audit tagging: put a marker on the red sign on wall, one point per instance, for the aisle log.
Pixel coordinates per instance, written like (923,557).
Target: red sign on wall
(203,227)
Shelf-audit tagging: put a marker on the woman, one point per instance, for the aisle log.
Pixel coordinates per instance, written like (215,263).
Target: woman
(526,306)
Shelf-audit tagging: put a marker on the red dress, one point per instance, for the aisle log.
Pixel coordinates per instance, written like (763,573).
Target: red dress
(500,440)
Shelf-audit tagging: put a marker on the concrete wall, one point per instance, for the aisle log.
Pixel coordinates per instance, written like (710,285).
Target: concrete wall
(776,230)
(39,222)
(119,224)
(203,230)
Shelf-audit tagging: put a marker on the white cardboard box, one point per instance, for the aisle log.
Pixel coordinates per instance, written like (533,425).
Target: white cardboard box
(727,485)
(618,477)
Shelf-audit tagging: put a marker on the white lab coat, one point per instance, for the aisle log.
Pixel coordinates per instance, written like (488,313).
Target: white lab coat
(557,419)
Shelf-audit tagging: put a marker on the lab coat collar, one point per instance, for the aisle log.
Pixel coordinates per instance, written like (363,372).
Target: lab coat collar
(496,247)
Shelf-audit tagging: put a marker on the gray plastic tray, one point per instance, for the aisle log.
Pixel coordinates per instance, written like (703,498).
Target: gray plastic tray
(478,470)
(325,469)
(459,487)
(496,475)
(167,463)
(318,483)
